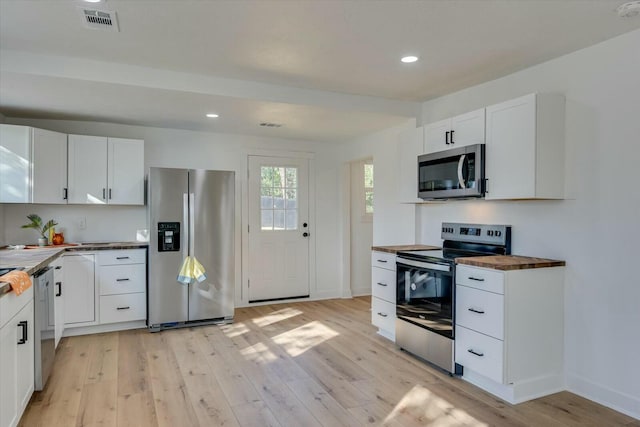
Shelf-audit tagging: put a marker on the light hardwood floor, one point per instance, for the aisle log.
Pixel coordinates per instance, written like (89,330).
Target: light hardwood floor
(303,364)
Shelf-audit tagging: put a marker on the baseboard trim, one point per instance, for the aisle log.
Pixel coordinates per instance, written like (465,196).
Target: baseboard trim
(99,329)
(621,402)
(517,393)
(360,292)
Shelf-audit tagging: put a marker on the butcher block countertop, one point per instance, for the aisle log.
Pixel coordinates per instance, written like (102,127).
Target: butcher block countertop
(509,262)
(402,248)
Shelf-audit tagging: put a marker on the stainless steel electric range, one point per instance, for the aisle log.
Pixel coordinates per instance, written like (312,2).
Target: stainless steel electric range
(425,310)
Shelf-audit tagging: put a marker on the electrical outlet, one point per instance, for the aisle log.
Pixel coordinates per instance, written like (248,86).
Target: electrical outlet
(82,223)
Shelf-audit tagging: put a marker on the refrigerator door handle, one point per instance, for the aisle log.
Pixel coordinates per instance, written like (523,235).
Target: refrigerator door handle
(192,223)
(185,224)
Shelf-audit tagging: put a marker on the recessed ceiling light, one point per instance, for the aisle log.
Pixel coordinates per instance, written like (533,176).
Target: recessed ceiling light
(629,9)
(409,59)
(213,115)
(94,1)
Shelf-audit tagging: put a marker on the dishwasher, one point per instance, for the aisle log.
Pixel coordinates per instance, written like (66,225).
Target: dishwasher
(44,330)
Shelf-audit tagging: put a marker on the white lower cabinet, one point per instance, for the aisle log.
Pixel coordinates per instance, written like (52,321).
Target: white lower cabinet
(104,287)
(59,292)
(122,281)
(383,293)
(16,363)
(509,330)
(79,288)
(123,308)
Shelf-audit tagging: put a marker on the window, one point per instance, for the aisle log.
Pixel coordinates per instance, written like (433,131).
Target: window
(278,198)
(368,188)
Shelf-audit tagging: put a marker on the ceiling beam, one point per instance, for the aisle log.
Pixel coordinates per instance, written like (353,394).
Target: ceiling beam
(12,61)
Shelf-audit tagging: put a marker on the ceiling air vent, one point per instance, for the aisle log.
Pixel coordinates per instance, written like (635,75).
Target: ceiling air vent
(99,19)
(271,125)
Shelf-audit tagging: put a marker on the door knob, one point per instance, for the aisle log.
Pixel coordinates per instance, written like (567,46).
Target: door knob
(304,224)
(305,234)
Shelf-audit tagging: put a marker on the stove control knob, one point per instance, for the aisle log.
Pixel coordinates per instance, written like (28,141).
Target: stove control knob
(413,287)
(498,233)
(489,232)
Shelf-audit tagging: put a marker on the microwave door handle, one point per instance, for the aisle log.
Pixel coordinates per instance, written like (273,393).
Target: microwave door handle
(461,179)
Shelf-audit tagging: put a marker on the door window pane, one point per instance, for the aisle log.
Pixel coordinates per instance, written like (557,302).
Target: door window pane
(368,188)
(279,198)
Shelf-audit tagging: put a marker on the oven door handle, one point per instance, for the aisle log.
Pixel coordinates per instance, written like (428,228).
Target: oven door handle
(422,264)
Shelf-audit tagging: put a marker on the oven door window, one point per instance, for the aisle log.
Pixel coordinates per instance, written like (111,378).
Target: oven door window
(425,297)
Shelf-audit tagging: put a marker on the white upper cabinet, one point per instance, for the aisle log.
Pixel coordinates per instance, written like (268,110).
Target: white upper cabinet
(33,165)
(126,171)
(525,148)
(106,170)
(459,131)
(410,146)
(15,164)
(49,167)
(87,169)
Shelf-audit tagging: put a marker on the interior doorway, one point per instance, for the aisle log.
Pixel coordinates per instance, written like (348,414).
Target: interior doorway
(361,225)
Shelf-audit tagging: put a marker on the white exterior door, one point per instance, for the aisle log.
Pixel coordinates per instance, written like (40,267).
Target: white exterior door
(278,228)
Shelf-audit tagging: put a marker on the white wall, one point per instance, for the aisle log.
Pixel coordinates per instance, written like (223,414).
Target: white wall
(596,230)
(185,149)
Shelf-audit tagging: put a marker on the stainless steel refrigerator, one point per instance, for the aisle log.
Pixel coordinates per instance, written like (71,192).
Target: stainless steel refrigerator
(191,213)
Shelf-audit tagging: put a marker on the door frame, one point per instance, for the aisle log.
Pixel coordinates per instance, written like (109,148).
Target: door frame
(242,294)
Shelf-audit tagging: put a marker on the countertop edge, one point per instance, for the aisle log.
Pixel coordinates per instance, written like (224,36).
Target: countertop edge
(525,263)
(394,249)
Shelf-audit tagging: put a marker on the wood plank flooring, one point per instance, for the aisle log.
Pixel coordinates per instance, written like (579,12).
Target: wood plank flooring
(302,364)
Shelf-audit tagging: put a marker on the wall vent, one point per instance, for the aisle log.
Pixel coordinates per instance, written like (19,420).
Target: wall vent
(99,19)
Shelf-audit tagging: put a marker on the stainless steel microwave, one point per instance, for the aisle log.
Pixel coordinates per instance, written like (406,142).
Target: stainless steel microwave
(449,174)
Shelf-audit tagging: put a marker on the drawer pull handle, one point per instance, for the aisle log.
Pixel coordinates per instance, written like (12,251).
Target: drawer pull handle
(24,325)
(123,308)
(384,261)
(472,351)
(382,284)
(59,285)
(475,310)
(476,279)
(122,257)
(382,314)
(58,267)
(122,280)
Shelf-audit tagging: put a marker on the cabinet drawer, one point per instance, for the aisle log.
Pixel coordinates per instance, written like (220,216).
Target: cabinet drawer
(480,353)
(481,311)
(480,278)
(383,314)
(383,260)
(123,308)
(383,284)
(122,279)
(119,257)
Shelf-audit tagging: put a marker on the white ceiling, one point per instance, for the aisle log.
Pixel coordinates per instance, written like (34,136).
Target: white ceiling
(327,70)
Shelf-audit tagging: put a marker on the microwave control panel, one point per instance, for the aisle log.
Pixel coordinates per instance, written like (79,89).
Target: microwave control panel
(168,236)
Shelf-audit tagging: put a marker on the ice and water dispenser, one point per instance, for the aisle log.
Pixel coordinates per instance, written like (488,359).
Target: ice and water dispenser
(168,236)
